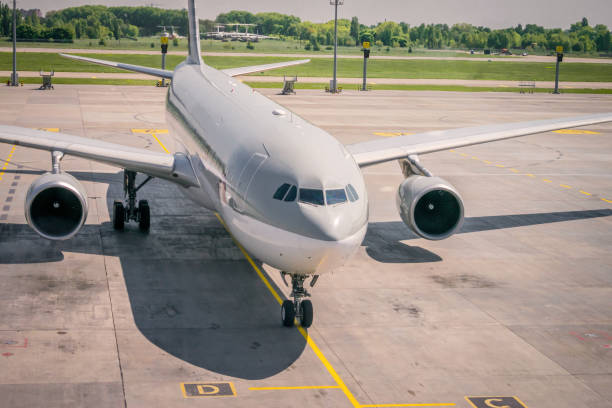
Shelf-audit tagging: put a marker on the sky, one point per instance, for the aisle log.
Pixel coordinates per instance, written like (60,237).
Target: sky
(490,13)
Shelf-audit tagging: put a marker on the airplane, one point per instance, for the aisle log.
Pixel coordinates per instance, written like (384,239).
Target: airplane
(172,36)
(290,193)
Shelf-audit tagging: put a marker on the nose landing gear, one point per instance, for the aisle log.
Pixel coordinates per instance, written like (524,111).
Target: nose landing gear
(299,307)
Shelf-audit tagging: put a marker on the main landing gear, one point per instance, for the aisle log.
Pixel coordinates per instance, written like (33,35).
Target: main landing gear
(129,211)
(298,307)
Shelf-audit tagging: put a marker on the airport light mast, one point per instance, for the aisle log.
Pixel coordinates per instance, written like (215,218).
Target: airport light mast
(335,3)
(14,77)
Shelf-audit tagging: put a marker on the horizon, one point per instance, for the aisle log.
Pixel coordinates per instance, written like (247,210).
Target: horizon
(474,12)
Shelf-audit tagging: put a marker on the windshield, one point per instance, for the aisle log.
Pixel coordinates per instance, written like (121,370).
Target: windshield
(335,196)
(311,196)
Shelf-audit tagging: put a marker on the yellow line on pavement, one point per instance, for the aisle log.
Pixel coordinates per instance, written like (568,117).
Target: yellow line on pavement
(305,387)
(607,201)
(547,180)
(303,332)
(499,165)
(154,133)
(442,404)
(8,159)
(565,186)
(585,193)
(530,175)
(487,162)
(513,170)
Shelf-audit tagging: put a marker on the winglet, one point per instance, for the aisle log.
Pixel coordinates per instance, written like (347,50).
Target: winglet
(194,35)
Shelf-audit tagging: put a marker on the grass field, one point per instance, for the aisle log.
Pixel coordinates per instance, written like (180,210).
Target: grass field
(288,46)
(319,67)
(321,86)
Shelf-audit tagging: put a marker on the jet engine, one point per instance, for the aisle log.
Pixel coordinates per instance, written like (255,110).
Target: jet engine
(430,206)
(56,206)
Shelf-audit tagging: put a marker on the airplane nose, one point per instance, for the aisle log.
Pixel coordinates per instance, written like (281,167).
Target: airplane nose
(330,223)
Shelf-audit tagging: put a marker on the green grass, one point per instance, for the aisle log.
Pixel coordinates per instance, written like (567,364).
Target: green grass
(84,81)
(319,67)
(425,87)
(321,86)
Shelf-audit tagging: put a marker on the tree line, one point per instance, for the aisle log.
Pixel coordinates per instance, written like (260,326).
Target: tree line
(101,22)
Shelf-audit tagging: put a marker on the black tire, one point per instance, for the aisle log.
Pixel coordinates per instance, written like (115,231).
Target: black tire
(288,313)
(118,216)
(306,313)
(144,215)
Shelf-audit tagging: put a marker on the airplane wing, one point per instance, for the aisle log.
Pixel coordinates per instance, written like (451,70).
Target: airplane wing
(176,168)
(162,73)
(258,68)
(382,150)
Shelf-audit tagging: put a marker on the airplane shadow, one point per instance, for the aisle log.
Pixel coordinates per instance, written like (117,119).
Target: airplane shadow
(190,292)
(383,239)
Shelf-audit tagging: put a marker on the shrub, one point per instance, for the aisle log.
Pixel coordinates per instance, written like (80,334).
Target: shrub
(250,46)
(102,42)
(152,45)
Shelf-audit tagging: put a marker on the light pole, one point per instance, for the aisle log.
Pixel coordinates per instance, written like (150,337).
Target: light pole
(335,3)
(14,77)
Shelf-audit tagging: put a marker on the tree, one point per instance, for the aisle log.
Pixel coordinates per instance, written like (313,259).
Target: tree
(355,29)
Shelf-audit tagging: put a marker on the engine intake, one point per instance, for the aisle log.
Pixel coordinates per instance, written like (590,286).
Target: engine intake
(56,206)
(430,206)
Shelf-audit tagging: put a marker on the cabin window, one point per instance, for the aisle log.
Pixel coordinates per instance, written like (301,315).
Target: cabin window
(281,191)
(337,196)
(352,193)
(311,196)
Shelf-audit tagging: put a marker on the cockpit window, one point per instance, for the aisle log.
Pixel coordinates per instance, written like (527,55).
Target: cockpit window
(311,196)
(337,196)
(281,191)
(352,193)
(291,194)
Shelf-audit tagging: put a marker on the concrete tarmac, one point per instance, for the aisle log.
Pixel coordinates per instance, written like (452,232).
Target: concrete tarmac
(518,304)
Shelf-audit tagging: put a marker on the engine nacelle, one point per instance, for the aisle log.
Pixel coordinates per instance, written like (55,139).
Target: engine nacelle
(430,206)
(56,206)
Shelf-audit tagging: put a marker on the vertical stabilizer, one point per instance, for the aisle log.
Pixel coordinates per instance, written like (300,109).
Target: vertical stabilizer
(194,35)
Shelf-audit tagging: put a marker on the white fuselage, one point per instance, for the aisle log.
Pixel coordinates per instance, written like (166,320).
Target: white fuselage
(242,147)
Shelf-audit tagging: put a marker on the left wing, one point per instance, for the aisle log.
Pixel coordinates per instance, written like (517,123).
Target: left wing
(176,168)
(382,150)
(258,68)
(162,73)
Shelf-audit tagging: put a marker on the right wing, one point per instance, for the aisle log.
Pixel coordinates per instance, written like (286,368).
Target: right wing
(264,67)
(162,73)
(387,149)
(176,168)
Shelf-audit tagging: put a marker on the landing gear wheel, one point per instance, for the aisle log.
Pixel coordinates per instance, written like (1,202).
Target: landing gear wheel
(144,215)
(306,313)
(118,215)
(288,313)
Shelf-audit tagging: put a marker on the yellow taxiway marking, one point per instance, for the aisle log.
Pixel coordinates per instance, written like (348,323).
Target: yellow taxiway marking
(392,134)
(49,129)
(8,159)
(154,133)
(513,170)
(547,180)
(606,200)
(530,175)
(499,165)
(442,404)
(576,132)
(565,186)
(585,193)
(313,346)
(475,158)
(304,387)
(487,162)
(452,151)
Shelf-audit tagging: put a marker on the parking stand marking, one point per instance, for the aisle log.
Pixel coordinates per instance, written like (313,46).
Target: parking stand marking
(195,390)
